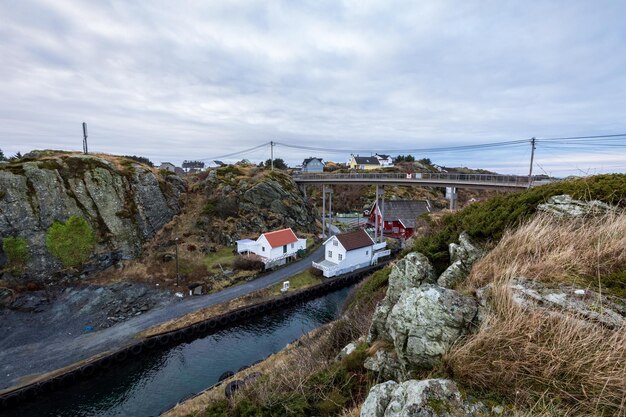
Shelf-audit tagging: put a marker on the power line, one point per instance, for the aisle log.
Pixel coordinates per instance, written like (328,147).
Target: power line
(244,151)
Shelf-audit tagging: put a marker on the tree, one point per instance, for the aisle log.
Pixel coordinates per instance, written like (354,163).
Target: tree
(405,158)
(2,157)
(278,163)
(16,250)
(72,242)
(141,159)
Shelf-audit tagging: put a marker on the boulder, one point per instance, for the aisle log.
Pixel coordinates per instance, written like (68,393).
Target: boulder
(462,256)
(426,398)
(562,299)
(565,206)
(410,272)
(348,349)
(426,321)
(385,364)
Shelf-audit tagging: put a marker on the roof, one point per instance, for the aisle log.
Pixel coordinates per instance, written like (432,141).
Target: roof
(279,238)
(219,162)
(307,160)
(245,241)
(355,240)
(366,160)
(405,211)
(382,156)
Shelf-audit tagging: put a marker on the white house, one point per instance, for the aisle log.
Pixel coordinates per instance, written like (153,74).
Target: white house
(168,166)
(384,160)
(347,252)
(274,248)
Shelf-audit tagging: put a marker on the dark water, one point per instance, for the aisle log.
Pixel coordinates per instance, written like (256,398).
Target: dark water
(151,384)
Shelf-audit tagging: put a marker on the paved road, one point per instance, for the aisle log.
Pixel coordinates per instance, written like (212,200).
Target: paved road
(63,350)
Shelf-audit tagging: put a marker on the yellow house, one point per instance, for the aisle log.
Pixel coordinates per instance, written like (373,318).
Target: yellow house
(364,162)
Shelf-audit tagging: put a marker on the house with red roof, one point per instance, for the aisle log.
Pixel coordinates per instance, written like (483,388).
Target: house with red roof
(273,248)
(350,251)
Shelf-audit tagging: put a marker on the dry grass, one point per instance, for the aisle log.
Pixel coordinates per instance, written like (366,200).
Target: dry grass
(531,357)
(553,251)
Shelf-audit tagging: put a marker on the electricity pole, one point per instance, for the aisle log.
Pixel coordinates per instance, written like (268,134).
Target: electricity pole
(177,271)
(532,158)
(272,154)
(85,150)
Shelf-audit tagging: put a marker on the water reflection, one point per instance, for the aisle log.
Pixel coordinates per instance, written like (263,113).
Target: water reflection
(152,383)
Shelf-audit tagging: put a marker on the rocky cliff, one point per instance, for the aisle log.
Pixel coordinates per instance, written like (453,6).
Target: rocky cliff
(124,202)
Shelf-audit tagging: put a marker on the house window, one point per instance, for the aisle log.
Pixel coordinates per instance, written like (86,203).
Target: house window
(330,253)
(292,246)
(262,248)
(340,256)
(335,243)
(367,252)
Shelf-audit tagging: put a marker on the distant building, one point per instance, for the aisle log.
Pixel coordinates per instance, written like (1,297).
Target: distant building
(348,252)
(313,165)
(364,162)
(400,217)
(193,165)
(273,248)
(168,166)
(384,160)
(219,163)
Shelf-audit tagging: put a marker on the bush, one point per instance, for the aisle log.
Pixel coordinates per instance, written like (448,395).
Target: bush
(72,242)
(16,250)
(245,263)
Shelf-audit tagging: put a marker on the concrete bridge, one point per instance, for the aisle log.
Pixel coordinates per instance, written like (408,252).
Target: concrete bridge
(479,181)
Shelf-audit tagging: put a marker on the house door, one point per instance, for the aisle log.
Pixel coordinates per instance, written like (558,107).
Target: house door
(284,249)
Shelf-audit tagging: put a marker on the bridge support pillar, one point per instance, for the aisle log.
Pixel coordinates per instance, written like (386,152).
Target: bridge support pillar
(376,209)
(452,196)
(382,217)
(323,210)
(330,211)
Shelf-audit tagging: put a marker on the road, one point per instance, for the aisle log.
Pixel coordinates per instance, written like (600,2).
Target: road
(63,350)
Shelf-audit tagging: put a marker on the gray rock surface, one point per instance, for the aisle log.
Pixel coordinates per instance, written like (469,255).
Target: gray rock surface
(410,272)
(124,206)
(426,321)
(565,206)
(426,398)
(564,299)
(462,256)
(385,364)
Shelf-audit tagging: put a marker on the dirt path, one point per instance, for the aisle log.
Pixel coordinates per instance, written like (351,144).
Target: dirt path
(61,350)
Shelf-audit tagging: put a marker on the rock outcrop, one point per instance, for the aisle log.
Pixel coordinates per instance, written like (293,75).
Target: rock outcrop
(565,206)
(419,318)
(563,299)
(410,272)
(427,398)
(124,202)
(462,256)
(426,321)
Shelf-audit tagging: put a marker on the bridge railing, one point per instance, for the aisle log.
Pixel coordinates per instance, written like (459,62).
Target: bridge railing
(511,180)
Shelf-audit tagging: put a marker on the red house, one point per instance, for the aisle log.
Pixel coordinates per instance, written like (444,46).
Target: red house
(400,217)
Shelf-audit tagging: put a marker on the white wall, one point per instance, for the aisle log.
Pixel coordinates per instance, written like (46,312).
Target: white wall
(336,250)
(273,253)
(353,257)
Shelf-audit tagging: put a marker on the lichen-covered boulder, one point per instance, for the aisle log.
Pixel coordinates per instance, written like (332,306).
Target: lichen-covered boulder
(462,256)
(410,272)
(385,364)
(426,321)
(565,206)
(426,398)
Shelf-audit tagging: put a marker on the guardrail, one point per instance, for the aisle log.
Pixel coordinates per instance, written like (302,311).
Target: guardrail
(487,179)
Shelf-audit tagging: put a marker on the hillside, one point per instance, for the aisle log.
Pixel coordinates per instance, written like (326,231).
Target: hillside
(523,315)
(90,210)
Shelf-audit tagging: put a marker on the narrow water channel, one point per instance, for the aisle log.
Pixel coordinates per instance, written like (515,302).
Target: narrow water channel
(151,384)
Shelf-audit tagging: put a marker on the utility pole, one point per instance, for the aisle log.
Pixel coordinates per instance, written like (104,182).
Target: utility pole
(382,218)
(532,158)
(272,153)
(85,149)
(376,216)
(177,273)
(323,210)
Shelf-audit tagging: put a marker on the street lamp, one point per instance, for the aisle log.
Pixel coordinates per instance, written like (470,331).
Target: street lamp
(177,274)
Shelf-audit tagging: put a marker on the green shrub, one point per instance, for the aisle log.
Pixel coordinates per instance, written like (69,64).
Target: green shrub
(370,286)
(16,250)
(72,242)
(217,409)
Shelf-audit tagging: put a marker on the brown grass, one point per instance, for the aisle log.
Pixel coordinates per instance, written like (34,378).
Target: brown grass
(554,251)
(531,357)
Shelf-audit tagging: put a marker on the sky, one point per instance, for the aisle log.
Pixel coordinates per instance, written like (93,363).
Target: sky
(198,80)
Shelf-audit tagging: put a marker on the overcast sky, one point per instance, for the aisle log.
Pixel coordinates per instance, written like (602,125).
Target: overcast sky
(174,80)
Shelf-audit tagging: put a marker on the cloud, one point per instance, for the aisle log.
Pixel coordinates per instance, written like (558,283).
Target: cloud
(180,80)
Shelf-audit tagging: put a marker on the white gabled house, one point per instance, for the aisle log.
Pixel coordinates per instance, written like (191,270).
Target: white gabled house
(273,248)
(348,252)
